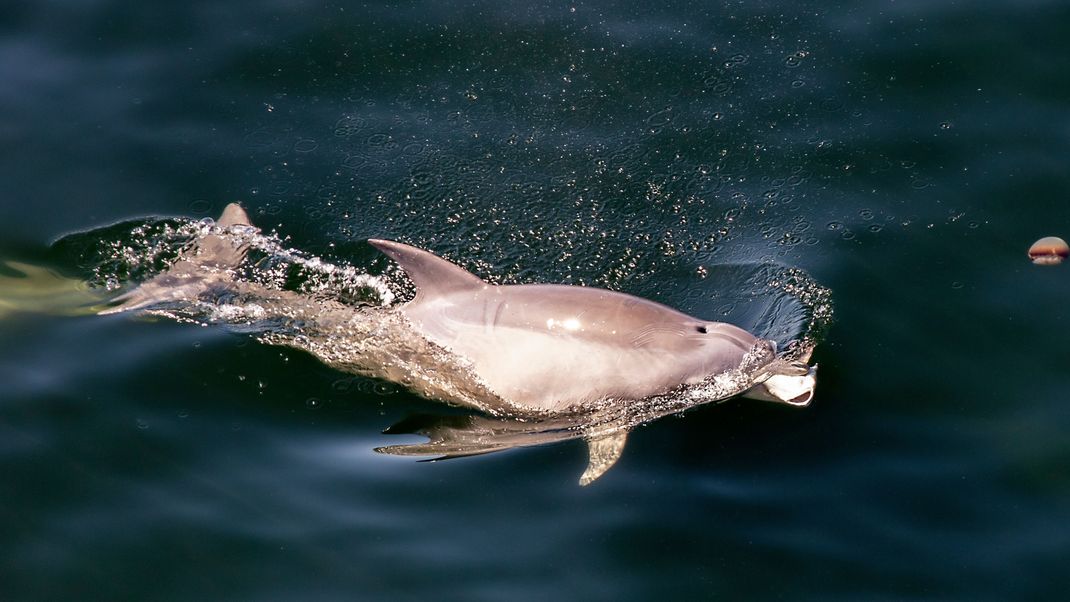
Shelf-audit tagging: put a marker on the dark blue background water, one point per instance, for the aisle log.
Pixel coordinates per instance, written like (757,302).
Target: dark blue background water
(904,153)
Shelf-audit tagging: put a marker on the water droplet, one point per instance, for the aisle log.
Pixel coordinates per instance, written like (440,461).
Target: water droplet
(305,145)
(259,139)
(1050,250)
(795,59)
(833,226)
(660,118)
(832,105)
(379,140)
(722,88)
(142,425)
(312,402)
(945,125)
(956,285)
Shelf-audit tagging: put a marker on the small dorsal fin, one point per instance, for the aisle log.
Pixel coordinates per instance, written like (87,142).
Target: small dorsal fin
(233,215)
(432,275)
(603,452)
(204,262)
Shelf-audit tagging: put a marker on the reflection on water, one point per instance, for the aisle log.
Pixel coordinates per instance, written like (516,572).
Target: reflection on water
(29,288)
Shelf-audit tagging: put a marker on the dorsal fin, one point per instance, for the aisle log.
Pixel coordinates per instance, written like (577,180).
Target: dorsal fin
(432,275)
(602,453)
(219,250)
(205,261)
(233,215)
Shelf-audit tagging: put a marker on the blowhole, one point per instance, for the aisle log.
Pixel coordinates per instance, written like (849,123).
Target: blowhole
(701,329)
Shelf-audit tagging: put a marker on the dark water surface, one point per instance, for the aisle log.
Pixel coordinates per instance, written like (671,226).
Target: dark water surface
(905,154)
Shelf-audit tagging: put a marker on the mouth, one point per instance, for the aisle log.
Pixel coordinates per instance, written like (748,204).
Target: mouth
(801,400)
(797,390)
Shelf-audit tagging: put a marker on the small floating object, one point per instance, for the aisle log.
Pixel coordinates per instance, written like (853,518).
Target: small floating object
(1050,250)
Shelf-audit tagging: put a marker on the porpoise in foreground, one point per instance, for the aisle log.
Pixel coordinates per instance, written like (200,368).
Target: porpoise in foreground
(546,350)
(552,347)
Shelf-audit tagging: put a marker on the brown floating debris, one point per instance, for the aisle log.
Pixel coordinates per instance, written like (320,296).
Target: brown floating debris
(1050,250)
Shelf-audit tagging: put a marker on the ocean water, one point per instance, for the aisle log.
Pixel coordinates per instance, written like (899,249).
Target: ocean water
(903,154)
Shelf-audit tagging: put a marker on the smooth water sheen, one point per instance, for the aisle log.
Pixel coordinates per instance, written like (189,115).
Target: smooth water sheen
(904,155)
